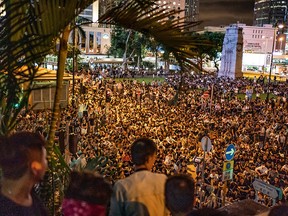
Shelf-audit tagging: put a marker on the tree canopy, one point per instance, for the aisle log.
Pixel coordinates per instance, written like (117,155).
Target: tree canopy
(152,20)
(211,52)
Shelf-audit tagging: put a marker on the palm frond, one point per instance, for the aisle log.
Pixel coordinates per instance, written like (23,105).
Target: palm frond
(156,21)
(28,29)
(76,27)
(26,37)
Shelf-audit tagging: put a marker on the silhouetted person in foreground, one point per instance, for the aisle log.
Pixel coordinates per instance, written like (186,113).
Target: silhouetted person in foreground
(208,212)
(179,194)
(87,194)
(23,162)
(142,193)
(281,210)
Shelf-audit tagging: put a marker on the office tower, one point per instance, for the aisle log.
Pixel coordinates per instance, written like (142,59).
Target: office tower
(104,5)
(91,12)
(186,8)
(173,5)
(192,10)
(270,12)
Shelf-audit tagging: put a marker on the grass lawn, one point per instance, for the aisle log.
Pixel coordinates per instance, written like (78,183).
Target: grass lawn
(140,79)
(150,79)
(262,96)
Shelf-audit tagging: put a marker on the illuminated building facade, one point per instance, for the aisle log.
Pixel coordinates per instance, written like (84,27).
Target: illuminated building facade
(192,10)
(97,39)
(270,12)
(187,8)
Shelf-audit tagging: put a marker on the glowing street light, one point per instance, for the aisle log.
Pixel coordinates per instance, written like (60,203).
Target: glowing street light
(277,27)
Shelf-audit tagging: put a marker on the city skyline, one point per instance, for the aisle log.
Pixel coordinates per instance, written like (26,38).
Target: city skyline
(225,12)
(211,12)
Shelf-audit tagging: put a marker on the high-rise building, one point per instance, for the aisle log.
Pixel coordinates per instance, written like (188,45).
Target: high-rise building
(187,8)
(97,39)
(98,36)
(98,8)
(104,5)
(175,5)
(91,12)
(270,12)
(192,10)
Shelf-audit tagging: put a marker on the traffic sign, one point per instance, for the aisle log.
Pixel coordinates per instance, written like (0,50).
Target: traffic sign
(266,188)
(280,193)
(228,165)
(206,144)
(230,151)
(227,175)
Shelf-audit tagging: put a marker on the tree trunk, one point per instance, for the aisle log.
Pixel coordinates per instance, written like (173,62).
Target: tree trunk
(77,45)
(50,186)
(73,61)
(59,84)
(156,60)
(216,66)
(167,66)
(175,98)
(138,62)
(126,50)
(201,63)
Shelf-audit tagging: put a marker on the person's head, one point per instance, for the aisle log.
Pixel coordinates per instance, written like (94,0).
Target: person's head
(90,188)
(23,153)
(143,152)
(179,194)
(208,212)
(281,210)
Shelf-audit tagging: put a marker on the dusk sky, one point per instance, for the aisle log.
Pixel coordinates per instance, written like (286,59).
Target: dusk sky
(225,12)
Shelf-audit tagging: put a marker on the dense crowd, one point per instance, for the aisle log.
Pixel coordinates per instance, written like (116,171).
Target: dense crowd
(108,116)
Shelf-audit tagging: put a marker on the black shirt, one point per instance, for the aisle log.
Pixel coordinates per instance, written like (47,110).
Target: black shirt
(10,208)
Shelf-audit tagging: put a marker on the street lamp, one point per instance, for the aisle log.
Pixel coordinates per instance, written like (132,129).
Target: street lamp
(281,40)
(278,26)
(266,51)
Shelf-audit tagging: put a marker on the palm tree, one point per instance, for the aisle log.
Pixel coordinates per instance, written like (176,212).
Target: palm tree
(154,46)
(152,20)
(28,29)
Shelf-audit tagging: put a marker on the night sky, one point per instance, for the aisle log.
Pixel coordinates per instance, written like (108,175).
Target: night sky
(225,12)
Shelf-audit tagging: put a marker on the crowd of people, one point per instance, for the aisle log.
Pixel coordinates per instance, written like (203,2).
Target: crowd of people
(107,116)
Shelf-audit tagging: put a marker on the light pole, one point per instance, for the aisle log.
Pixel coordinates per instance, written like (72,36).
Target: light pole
(281,40)
(280,26)
(266,52)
